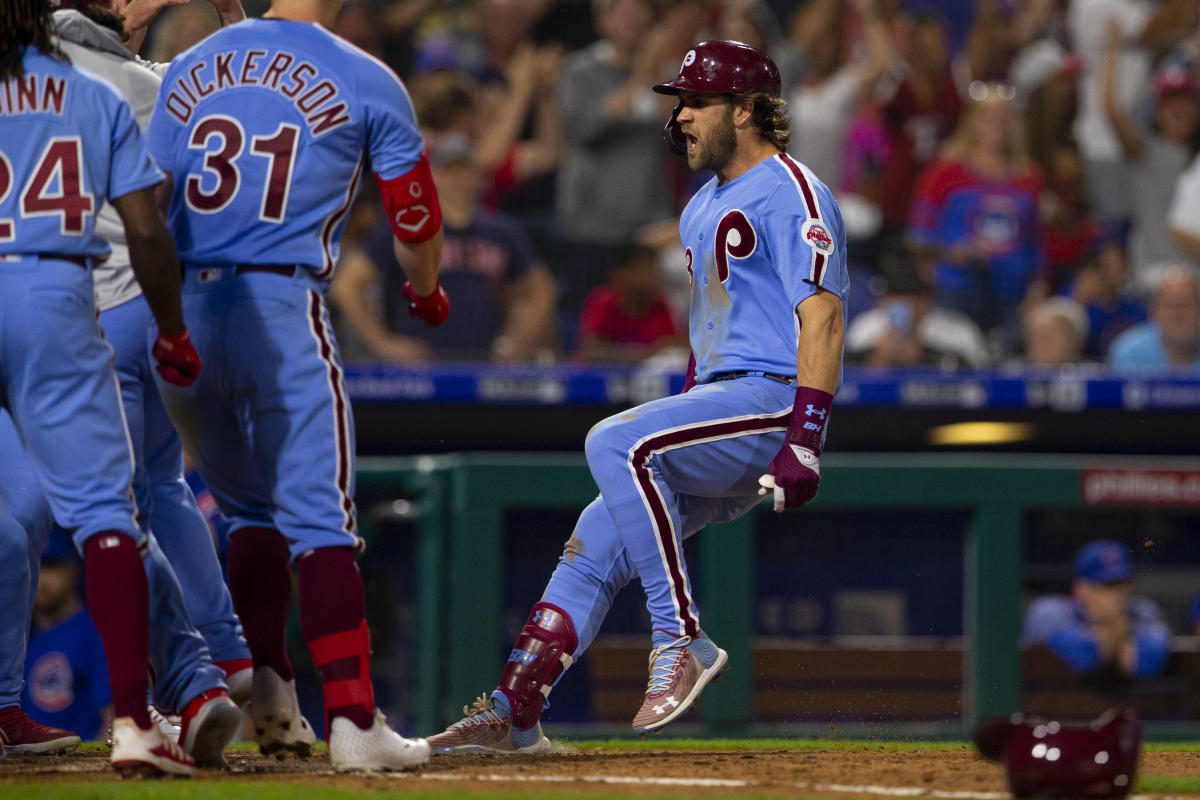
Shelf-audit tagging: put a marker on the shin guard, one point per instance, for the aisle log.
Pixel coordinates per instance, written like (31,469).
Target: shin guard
(540,655)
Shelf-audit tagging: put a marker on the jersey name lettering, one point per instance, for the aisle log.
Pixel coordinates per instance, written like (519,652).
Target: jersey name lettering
(317,99)
(33,95)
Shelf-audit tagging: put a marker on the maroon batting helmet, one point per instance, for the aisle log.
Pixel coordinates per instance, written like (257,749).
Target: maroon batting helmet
(1049,759)
(718,67)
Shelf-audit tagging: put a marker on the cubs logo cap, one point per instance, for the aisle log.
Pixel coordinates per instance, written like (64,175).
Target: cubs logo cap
(724,67)
(1104,561)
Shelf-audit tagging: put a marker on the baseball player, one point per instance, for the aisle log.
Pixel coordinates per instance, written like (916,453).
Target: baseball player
(68,143)
(266,128)
(186,681)
(765,247)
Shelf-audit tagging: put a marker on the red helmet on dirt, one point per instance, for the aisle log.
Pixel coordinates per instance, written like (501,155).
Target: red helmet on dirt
(1050,759)
(718,67)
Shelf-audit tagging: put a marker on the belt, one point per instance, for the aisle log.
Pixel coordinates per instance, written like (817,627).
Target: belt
(275,269)
(750,373)
(80,261)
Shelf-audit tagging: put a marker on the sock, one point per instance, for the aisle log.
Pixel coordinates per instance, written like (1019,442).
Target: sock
(333,620)
(520,738)
(118,598)
(260,582)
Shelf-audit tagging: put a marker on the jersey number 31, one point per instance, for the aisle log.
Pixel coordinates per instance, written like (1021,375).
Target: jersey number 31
(230,139)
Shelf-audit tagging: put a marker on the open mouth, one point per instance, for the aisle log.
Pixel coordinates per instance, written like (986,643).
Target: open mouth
(691,141)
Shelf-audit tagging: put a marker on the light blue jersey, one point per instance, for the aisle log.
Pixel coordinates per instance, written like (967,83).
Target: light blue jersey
(53,178)
(267,142)
(756,247)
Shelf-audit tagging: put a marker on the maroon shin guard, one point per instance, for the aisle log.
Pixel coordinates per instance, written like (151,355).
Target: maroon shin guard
(333,619)
(118,598)
(260,582)
(541,653)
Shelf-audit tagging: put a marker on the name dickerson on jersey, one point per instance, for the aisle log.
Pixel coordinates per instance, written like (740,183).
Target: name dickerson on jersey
(298,80)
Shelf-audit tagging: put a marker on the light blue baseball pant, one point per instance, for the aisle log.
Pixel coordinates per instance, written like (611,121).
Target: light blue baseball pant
(75,445)
(166,501)
(268,423)
(665,470)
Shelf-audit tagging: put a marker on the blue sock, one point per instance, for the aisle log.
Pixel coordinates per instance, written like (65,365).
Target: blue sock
(702,647)
(520,738)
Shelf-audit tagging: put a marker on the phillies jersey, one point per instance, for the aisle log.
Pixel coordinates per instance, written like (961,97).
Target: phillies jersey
(756,247)
(267,142)
(53,177)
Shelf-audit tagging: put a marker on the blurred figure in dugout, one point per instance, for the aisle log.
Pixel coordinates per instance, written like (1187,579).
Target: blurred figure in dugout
(1101,626)
(66,679)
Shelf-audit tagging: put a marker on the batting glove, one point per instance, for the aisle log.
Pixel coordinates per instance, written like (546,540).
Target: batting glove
(432,308)
(795,473)
(178,361)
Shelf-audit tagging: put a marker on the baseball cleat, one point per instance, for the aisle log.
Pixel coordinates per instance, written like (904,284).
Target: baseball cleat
(24,736)
(377,749)
(239,677)
(279,727)
(487,728)
(146,752)
(210,722)
(167,724)
(679,671)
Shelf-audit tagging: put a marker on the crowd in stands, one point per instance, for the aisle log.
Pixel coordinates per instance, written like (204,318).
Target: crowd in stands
(1018,178)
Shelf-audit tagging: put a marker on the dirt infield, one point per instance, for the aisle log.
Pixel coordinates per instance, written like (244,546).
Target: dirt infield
(957,773)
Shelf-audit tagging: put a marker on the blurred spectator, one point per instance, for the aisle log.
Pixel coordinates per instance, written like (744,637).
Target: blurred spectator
(179,27)
(975,216)
(501,296)
(906,330)
(627,319)
(920,113)
(1070,231)
(1154,158)
(1171,339)
(1101,287)
(1000,29)
(1043,74)
(1101,624)
(1182,219)
(613,178)
(1055,331)
(822,105)
(66,676)
(1141,24)
(358,23)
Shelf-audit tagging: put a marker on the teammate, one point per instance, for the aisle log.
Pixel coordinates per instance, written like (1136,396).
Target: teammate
(765,248)
(68,143)
(266,127)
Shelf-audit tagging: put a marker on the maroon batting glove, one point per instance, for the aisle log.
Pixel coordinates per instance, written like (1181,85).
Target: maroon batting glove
(178,361)
(689,379)
(795,473)
(432,308)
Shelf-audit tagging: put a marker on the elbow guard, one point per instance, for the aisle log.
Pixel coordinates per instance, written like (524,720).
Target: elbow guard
(411,203)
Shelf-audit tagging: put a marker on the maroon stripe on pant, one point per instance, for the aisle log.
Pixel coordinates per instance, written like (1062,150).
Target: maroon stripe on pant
(339,408)
(640,456)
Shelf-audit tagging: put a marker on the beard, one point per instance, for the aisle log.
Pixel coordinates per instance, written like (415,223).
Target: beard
(715,152)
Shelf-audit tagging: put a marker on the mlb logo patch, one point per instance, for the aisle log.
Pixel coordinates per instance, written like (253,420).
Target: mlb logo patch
(818,237)
(209,274)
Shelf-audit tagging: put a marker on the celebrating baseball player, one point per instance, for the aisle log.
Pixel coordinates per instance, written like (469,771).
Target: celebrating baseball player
(765,247)
(266,128)
(68,144)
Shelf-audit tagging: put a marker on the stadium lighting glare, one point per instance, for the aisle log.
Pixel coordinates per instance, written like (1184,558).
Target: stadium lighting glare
(974,433)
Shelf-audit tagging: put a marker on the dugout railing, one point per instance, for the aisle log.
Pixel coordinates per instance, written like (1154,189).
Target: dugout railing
(461,501)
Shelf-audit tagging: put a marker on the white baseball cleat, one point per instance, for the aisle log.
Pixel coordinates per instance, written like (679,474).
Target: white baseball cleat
(240,684)
(146,752)
(210,722)
(377,749)
(279,727)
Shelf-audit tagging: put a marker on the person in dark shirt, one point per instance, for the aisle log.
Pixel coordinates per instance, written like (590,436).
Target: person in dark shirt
(627,319)
(503,295)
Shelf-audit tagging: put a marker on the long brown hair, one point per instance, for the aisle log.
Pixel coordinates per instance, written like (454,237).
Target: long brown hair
(770,116)
(23,23)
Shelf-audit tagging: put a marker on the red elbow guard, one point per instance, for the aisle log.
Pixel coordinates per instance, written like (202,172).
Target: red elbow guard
(411,203)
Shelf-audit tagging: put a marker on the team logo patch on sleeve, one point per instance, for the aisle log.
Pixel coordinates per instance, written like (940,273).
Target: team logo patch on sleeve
(817,236)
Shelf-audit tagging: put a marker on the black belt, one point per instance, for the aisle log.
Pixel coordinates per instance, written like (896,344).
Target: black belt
(275,269)
(744,373)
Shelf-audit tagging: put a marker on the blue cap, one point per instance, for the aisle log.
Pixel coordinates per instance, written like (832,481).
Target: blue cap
(1104,561)
(59,548)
